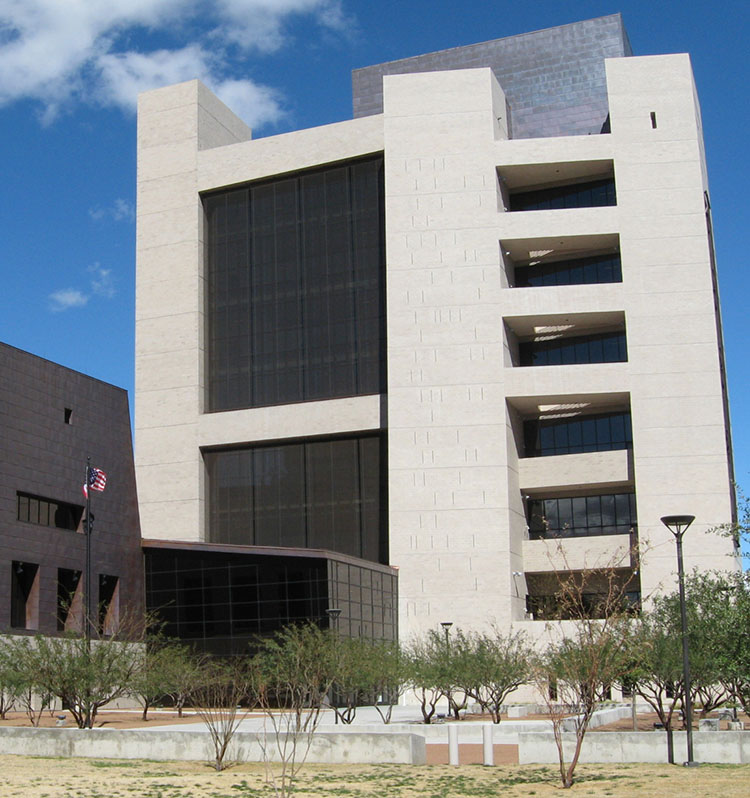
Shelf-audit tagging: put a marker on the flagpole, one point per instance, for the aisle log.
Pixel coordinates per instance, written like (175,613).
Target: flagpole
(87,588)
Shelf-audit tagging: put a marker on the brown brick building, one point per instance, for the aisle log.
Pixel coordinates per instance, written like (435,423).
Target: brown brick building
(51,420)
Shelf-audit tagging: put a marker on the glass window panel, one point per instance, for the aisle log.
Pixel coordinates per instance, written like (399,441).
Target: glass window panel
(609,517)
(579,434)
(576,271)
(536,517)
(617,431)
(588,434)
(561,436)
(603,432)
(575,436)
(605,514)
(595,353)
(593,513)
(550,519)
(565,518)
(579,195)
(300,260)
(580,517)
(320,494)
(622,509)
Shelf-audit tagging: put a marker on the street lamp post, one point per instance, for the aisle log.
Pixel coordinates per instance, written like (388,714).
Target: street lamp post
(333,614)
(677,525)
(446,628)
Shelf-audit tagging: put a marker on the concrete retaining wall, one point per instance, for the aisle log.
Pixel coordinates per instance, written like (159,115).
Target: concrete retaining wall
(723,746)
(401,748)
(468,731)
(600,718)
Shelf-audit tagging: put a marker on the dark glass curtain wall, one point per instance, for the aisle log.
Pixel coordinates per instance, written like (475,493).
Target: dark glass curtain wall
(322,494)
(598,433)
(574,271)
(295,271)
(582,516)
(220,601)
(609,347)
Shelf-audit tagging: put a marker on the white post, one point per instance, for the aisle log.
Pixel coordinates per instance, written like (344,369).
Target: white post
(452,744)
(487,748)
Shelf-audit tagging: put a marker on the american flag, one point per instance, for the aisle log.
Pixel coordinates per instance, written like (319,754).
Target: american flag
(96,480)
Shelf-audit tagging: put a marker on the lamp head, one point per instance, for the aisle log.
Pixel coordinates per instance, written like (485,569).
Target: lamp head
(333,612)
(677,524)
(446,624)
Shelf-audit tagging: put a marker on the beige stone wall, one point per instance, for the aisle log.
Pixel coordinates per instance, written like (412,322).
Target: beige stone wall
(455,401)
(189,142)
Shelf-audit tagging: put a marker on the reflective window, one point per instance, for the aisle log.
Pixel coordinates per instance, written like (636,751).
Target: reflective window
(592,194)
(578,434)
(591,605)
(581,516)
(314,494)
(607,347)
(295,269)
(220,602)
(48,512)
(576,271)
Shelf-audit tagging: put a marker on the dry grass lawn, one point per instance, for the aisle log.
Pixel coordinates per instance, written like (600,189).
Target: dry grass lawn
(27,777)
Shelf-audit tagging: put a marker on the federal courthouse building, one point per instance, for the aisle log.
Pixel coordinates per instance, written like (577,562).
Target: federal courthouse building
(411,365)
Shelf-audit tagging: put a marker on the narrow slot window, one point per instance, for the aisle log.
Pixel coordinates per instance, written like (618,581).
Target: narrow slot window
(24,599)
(109,604)
(68,415)
(69,601)
(653,119)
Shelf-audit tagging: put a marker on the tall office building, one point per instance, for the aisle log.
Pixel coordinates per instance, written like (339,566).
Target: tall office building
(479,316)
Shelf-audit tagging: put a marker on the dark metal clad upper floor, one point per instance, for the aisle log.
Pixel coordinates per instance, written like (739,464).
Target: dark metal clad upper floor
(553,79)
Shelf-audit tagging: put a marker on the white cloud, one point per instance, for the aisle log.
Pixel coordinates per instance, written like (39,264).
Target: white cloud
(120,210)
(102,282)
(256,105)
(67,298)
(60,53)
(259,24)
(124,75)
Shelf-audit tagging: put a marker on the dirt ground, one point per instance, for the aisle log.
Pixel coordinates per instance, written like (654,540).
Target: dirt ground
(646,722)
(25,777)
(112,719)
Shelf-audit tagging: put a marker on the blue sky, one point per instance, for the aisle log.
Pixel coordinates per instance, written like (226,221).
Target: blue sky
(70,71)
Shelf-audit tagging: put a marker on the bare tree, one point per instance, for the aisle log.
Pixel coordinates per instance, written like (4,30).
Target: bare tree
(354,676)
(656,670)
(168,670)
(182,672)
(588,654)
(497,665)
(218,696)
(388,669)
(12,681)
(295,673)
(83,675)
(426,669)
